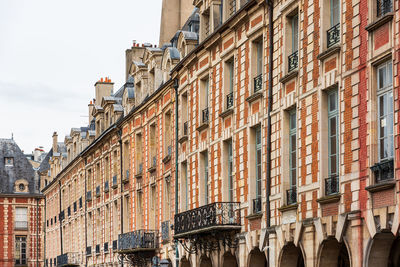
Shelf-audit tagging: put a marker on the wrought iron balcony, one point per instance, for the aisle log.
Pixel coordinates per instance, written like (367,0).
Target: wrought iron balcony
(185,128)
(204,115)
(97,249)
(114,182)
(165,231)
(332,185)
(154,162)
(293,61)
(68,259)
(257,205)
(137,241)
(257,83)
(88,250)
(291,196)
(383,171)
(88,195)
(115,245)
(106,186)
(106,247)
(212,217)
(229,100)
(98,191)
(383,7)
(333,35)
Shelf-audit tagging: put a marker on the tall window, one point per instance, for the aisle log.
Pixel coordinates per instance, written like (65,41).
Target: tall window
(333,141)
(153,208)
(293,43)
(229,82)
(21,218)
(295,33)
(127,214)
(383,7)
(385,111)
(184,186)
(167,199)
(20,250)
(230,171)
(258,162)
(204,100)
(335,12)
(292,149)
(205,173)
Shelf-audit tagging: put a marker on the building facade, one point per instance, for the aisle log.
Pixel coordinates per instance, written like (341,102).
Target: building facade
(21,209)
(264,134)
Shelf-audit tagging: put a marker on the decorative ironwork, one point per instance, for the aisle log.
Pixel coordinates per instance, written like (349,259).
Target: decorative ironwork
(185,128)
(75,206)
(383,171)
(333,35)
(114,182)
(291,195)
(115,245)
(383,7)
(61,217)
(293,61)
(229,100)
(88,250)
(165,231)
(214,214)
(257,204)
(205,115)
(68,259)
(69,211)
(332,185)
(196,244)
(137,240)
(97,249)
(106,186)
(98,191)
(106,247)
(257,83)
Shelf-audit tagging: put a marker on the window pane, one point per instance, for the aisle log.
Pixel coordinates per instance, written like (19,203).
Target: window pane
(293,143)
(381,78)
(332,102)
(293,160)
(333,164)
(333,143)
(332,122)
(295,33)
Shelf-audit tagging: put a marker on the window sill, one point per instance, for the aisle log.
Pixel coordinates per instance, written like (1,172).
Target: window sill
(379,22)
(254,216)
(106,190)
(288,207)
(166,159)
(381,186)
(254,97)
(139,175)
(152,168)
(125,180)
(289,76)
(114,186)
(226,112)
(329,52)
(202,126)
(329,199)
(182,139)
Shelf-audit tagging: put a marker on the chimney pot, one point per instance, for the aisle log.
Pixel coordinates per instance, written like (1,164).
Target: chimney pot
(101,80)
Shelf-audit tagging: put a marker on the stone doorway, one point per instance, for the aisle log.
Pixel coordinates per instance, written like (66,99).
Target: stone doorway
(384,250)
(184,263)
(257,258)
(205,262)
(228,260)
(291,256)
(334,254)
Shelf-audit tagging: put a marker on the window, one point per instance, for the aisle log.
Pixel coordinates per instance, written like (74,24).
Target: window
(153,147)
(167,198)
(230,171)
(127,214)
(9,161)
(184,114)
(333,141)
(291,194)
(20,250)
(126,158)
(333,32)
(258,162)
(107,170)
(204,100)
(21,218)
(257,64)
(293,42)
(205,176)
(385,111)
(229,82)
(383,7)
(184,186)
(168,135)
(153,207)
(116,219)
(139,210)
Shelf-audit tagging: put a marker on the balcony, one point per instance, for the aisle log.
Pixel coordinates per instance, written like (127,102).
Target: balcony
(89,251)
(229,100)
(291,196)
(114,182)
(21,225)
(205,115)
(383,171)
(89,196)
(185,133)
(153,164)
(105,247)
(257,205)
(258,83)
(165,231)
(293,61)
(140,240)
(106,186)
(98,191)
(168,156)
(383,7)
(97,249)
(232,7)
(332,185)
(126,177)
(217,216)
(333,35)
(68,259)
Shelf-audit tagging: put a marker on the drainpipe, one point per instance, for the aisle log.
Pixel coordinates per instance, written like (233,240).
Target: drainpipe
(44,232)
(122,189)
(270,5)
(86,244)
(176,85)
(61,235)
(37,232)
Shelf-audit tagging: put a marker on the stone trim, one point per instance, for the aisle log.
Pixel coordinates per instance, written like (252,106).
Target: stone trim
(289,76)
(288,207)
(376,24)
(381,186)
(226,113)
(329,199)
(254,97)
(254,216)
(202,127)
(329,52)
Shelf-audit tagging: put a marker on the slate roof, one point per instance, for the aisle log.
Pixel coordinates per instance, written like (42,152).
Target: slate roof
(21,168)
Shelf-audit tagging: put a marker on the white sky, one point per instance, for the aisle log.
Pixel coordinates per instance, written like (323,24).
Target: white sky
(51,54)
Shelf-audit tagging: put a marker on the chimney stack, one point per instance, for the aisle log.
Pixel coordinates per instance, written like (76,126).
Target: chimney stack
(103,88)
(91,106)
(55,140)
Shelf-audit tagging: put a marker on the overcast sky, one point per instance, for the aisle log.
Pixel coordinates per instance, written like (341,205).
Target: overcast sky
(51,54)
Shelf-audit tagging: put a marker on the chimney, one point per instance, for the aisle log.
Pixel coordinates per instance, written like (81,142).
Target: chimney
(55,137)
(103,88)
(91,106)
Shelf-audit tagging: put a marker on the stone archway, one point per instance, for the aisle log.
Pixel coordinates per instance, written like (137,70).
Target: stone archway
(184,263)
(257,259)
(333,254)
(291,256)
(228,260)
(205,262)
(384,250)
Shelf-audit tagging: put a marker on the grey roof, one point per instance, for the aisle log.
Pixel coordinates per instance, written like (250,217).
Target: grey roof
(190,35)
(118,107)
(174,53)
(44,165)
(131,92)
(139,63)
(21,168)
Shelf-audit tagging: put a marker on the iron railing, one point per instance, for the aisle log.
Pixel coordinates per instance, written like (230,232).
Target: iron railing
(97,249)
(383,171)
(229,100)
(88,195)
(165,231)
(106,247)
(291,196)
(293,61)
(126,179)
(333,35)
(205,115)
(114,182)
(68,259)
(257,204)
(257,83)
(139,239)
(106,186)
(88,250)
(332,185)
(115,245)
(98,191)
(185,128)
(383,7)
(214,214)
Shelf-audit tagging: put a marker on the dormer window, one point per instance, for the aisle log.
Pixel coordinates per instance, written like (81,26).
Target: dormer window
(9,161)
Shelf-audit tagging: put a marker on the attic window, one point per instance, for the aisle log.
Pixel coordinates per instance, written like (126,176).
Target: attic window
(9,161)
